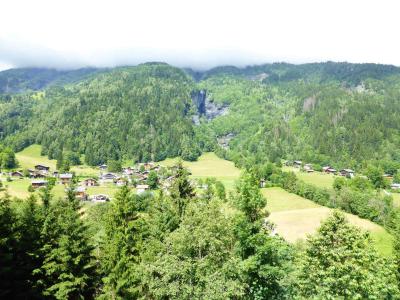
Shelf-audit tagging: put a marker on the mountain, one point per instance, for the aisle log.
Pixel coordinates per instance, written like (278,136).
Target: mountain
(26,79)
(325,113)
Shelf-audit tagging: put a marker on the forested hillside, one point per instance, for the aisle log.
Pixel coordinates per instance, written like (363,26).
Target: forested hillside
(133,112)
(26,79)
(341,114)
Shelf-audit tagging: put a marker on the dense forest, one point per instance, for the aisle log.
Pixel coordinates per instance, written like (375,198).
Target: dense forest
(340,114)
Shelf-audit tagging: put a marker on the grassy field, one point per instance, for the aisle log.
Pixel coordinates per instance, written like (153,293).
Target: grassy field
(210,165)
(317,178)
(30,156)
(296,217)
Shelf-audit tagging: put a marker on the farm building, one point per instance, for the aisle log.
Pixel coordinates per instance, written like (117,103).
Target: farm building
(395,186)
(66,178)
(90,182)
(347,173)
(329,170)
(103,167)
(121,181)
(128,171)
(108,177)
(38,183)
(141,188)
(297,163)
(16,174)
(100,198)
(80,193)
(308,168)
(42,168)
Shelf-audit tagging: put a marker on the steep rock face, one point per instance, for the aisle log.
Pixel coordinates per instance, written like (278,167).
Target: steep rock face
(199,100)
(215,110)
(205,107)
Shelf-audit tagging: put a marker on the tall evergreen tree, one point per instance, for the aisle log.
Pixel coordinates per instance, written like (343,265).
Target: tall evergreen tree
(68,270)
(266,259)
(120,249)
(340,262)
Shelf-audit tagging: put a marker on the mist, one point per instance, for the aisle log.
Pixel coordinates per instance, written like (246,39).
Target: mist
(200,35)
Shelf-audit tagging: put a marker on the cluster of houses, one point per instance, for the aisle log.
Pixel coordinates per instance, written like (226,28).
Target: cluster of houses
(326,169)
(349,173)
(136,176)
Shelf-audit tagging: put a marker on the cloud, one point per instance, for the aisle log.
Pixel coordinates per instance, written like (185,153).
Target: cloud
(198,34)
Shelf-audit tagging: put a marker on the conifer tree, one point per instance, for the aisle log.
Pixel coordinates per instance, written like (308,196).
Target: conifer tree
(67,271)
(120,249)
(340,262)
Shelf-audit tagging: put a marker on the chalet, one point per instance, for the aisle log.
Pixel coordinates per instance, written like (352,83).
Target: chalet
(388,176)
(16,174)
(80,193)
(120,181)
(128,171)
(56,173)
(36,174)
(103,167)
(38,183)
(90,182)
(329,170)
(395,186)
(108,177)
(100,198)
(347,173)
(141,188)
(308,168)
(66,178)
(297,163)
(42,168)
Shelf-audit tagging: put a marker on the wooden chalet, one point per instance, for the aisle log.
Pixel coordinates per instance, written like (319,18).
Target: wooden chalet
(90,182)
(297,163)
(16,174)
(347,173)
(308,168)
(120,181)
(103,167)
(80,193)
(66,178)
(100,198)
(38,183)
(42,168)
(329,170)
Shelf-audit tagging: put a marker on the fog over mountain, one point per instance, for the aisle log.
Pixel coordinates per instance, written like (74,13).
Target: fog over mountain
(201,35)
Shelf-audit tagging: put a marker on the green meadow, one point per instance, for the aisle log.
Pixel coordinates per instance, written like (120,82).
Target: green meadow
(210,165)
(317,178)
(296,217)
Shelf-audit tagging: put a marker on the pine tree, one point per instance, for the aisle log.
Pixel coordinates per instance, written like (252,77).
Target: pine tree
(182,191)
(266,259)
(340,262)
(7,247)
(67,271)
(120,249)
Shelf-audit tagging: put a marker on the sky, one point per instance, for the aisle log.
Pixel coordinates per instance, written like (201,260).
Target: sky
(67,34)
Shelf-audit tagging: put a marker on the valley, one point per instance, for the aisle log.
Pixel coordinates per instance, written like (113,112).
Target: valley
(227,183)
